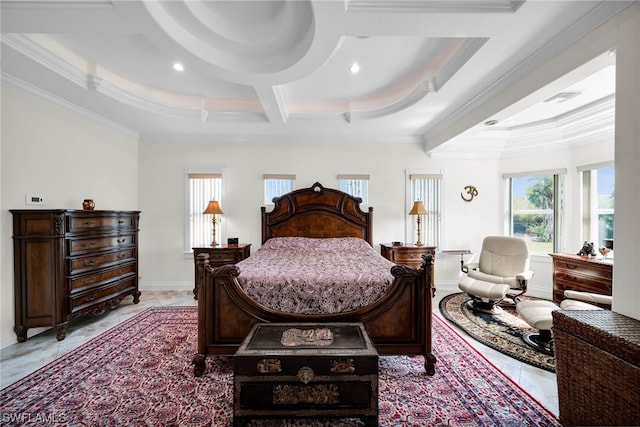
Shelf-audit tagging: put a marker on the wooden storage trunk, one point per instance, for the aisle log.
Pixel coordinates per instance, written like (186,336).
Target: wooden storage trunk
(598,367)
(306,370)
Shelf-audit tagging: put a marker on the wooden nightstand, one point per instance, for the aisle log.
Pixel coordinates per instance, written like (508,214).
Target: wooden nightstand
(408,254)
(222,255)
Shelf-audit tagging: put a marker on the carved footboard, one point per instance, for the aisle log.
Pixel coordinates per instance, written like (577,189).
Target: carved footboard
(398,323)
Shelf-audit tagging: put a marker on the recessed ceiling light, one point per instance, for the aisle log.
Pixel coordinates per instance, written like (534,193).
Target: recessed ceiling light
(354,68)
(178,66)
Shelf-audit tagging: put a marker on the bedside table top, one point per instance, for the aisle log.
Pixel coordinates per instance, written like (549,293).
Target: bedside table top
(407,245)
(221,246)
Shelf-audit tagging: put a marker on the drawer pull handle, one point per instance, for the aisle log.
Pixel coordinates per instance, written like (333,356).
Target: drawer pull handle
(122,256)
(89,223)
(90,262)
(121,240)
(571,266)
(89,298)
(89,281)
(89,245)
(412,255)
(567,277)
(121,221)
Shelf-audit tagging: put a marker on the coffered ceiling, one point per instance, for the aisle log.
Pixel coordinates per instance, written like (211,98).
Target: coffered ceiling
(282,69)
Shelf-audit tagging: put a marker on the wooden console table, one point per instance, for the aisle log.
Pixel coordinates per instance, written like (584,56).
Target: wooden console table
(581,273)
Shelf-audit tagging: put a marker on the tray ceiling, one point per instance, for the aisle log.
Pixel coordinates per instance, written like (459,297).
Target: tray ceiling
(281,69)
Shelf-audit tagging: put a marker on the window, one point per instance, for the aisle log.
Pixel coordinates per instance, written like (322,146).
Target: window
(535,209)
(426,187)
(356,185)
(598,196)
(201,188)
(277,185)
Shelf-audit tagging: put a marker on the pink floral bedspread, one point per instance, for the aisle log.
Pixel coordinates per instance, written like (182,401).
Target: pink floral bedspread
(312,275)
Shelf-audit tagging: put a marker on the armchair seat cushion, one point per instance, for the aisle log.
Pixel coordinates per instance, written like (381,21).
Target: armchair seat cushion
(484,277)
(482,289)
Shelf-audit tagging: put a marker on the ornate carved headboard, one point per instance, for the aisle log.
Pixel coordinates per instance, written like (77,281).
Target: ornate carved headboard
(317,212)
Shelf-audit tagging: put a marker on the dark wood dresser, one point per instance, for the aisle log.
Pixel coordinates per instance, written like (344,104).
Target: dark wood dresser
(306,370)
(581,273)
(69,263)
(221,255)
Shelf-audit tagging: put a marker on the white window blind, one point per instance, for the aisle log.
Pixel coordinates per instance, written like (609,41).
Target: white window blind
(355,185)
(426,187)
(202,187)
(275,185)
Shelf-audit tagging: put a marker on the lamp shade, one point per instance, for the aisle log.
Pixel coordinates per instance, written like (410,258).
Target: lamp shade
(418,208)
(213,208)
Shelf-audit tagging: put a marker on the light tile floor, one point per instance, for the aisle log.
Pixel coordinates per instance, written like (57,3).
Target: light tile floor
(18,360)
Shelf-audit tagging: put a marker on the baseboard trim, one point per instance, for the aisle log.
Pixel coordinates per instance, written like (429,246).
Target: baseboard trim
(166,287)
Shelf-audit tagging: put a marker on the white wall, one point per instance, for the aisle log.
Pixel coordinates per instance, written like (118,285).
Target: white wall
(162,192)
(64,156)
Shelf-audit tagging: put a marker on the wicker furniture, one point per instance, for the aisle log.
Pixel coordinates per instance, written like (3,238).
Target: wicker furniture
(306,370)
(398,323)
(597,367)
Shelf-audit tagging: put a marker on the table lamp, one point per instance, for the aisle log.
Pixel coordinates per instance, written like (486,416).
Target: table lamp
(213,209)
(418,209)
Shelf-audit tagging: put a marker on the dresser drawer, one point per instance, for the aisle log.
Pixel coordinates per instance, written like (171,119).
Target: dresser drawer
(589,269)
(85,264)
(82,223)
(84,300)
(224,257)
(565,280)
(78,246)
(408,255)
(83,283)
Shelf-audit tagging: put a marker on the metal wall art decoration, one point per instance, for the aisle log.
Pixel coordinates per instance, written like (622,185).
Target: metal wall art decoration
(472,191)
(299,337)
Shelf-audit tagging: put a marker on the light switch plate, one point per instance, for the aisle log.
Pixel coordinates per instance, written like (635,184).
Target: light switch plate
(33,199)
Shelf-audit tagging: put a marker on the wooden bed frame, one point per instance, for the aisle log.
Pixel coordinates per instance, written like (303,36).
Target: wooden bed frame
(398,323)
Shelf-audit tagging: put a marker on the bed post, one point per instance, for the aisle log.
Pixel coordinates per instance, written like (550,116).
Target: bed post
(427,271)
(199,359)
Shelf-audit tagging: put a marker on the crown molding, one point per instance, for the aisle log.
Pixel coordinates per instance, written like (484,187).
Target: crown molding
(433,6)
(49,97)
(590,124)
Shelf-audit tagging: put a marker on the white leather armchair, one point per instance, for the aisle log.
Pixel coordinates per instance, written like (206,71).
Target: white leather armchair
(502,271)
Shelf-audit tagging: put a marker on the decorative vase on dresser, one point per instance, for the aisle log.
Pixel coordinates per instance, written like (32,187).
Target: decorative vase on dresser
(69,263)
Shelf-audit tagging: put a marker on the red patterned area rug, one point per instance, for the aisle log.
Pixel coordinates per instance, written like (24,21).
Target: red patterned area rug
(139,373)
